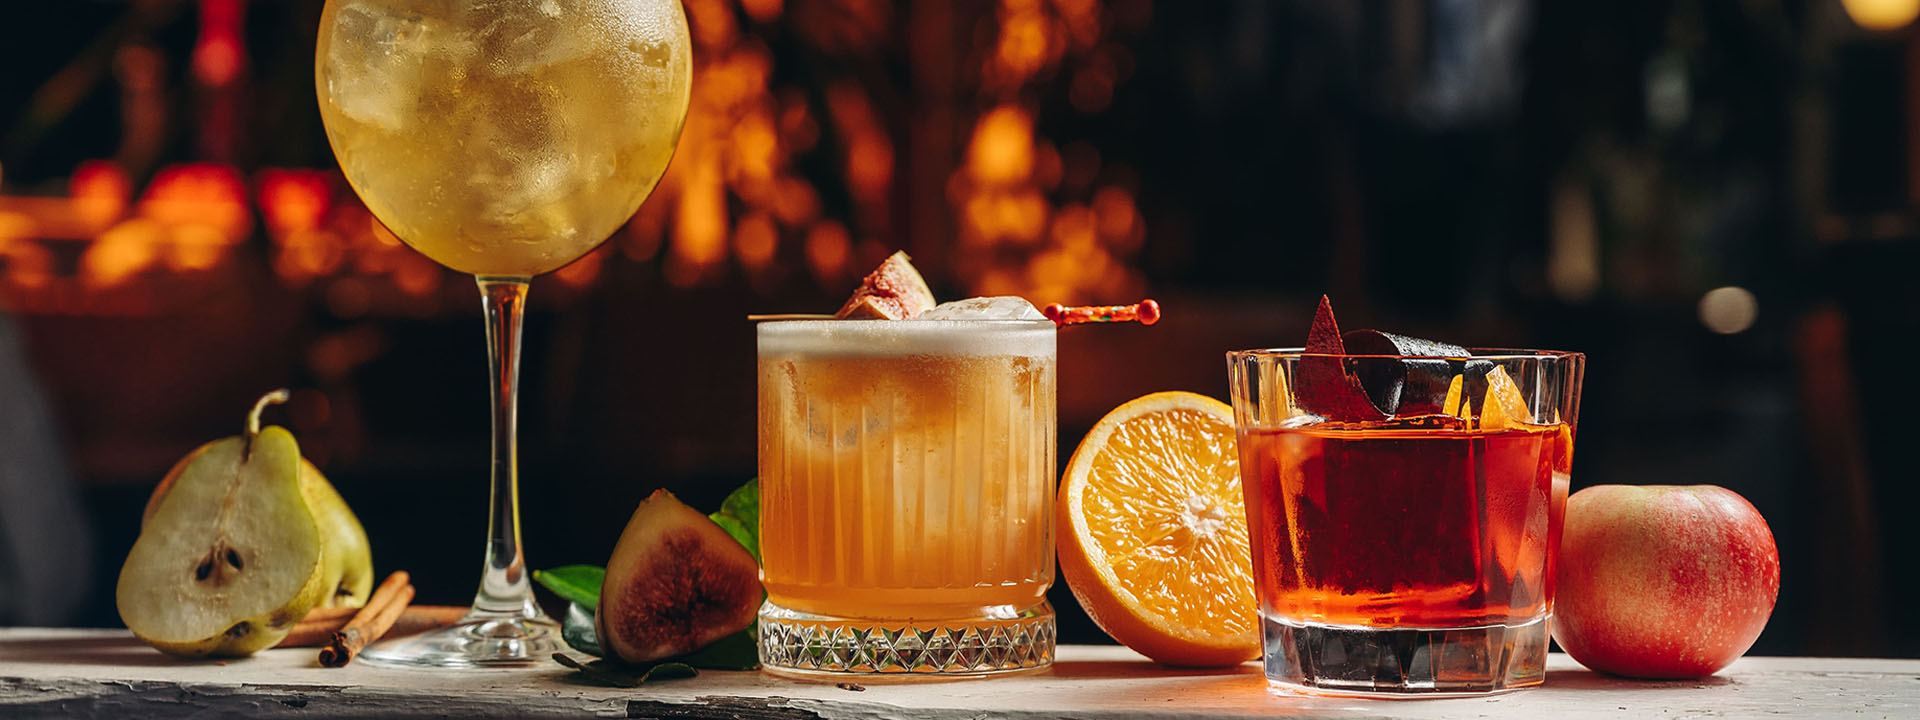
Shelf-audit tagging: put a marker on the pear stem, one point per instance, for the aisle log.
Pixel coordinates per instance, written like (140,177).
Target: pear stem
(259,406)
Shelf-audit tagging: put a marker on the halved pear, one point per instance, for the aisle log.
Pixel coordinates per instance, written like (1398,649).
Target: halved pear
(349,557)
(676,583)
(231,558)
(348,575)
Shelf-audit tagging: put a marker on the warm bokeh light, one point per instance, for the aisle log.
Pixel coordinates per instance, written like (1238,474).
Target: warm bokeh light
(294,200)
(100,192)
(1728,310)
(1882,15)
(771,171)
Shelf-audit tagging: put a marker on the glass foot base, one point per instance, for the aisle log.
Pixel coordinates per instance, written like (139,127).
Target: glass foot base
(819,647)
(478,641)
(1404,662)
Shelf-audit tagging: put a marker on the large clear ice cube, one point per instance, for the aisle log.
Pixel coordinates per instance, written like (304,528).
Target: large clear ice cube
(1002,307)
(378,64)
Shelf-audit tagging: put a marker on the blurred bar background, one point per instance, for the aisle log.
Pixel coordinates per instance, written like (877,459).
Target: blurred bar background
(1715,200)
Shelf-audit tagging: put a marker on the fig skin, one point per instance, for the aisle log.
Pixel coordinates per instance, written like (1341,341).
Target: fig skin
(893,291)
(676,583)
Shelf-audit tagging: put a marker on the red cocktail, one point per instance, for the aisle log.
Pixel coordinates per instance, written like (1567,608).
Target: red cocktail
(1404,509)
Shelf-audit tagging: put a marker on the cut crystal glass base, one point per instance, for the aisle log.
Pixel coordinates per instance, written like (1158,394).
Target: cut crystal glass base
(805,645)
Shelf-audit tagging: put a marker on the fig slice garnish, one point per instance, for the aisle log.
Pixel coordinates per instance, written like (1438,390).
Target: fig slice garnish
(893,291)
(1327,389)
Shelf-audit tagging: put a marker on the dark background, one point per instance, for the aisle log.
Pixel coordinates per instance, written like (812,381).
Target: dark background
(1493,172)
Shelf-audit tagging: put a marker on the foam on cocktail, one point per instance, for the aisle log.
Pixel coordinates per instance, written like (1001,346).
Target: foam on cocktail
(889,338)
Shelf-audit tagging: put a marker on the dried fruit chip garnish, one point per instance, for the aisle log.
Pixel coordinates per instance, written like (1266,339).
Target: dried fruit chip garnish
(1326,388)
(1380,375)
(1407,385)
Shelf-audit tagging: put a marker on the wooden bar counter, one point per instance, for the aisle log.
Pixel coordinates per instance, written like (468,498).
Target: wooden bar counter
(109,674)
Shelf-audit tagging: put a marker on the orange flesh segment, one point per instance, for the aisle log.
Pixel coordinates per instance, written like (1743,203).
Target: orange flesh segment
(1162,502)
(1505,408)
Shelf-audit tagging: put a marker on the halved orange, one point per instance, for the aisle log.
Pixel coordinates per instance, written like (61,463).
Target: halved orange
(1153,531)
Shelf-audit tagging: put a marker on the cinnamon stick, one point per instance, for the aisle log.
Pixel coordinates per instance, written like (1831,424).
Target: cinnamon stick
(330,614)
(416,619)
(373,621)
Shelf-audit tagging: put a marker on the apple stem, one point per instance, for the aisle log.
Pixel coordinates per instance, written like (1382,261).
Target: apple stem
(259,406)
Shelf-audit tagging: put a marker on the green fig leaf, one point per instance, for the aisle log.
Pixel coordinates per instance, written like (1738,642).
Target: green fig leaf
(574,583)
(739,651)
(739,515)
(739,531)
(623,675)
(578,630)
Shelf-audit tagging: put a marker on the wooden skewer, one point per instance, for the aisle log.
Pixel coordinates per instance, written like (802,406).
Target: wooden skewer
(414,620)
(789,316)
(373,621)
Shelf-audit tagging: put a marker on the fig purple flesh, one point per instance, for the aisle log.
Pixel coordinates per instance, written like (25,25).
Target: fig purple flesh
(676,583)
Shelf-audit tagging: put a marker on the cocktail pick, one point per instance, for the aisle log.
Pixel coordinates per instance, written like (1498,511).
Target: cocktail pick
(1145,312)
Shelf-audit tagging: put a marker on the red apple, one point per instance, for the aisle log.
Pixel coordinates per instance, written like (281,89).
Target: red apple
(1663,581)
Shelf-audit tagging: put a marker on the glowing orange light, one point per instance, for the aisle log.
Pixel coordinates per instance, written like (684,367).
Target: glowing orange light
(755,240)
(762,10)
(1114,211)
(195,247)
(120,253)
(381,233)
(29,266)
(294,200)
(829,249)
(795,202)
(100,191)
(217,56)
(870,166)
(582,272)
(203,193)
(700,234)
(306,254)
(1023,43)
(1002,146)
(1073,228)
(711,22)
(416,275)
(755,146)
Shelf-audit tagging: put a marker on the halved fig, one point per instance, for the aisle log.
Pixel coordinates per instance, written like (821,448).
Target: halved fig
(676,583)
(893,291)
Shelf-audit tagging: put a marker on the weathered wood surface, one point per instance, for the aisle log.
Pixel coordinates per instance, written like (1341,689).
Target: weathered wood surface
(108,674)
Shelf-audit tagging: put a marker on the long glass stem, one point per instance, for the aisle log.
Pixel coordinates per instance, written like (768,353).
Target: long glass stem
(504,590)
(505,626)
